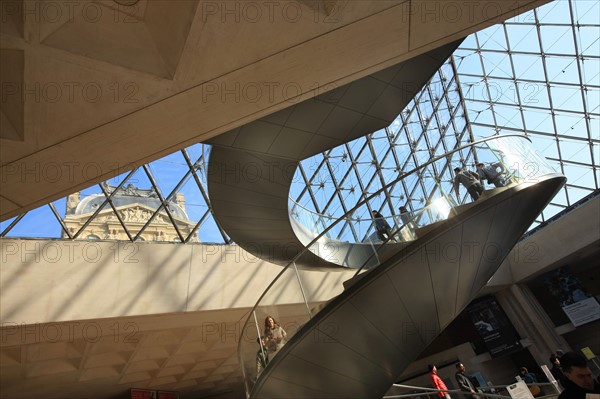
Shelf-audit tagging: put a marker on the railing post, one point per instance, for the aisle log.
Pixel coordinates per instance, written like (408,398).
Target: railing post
(260,342)
(302,290)
(374,250)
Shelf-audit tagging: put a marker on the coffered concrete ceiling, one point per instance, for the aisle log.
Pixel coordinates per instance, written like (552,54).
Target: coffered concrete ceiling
(91,88)
(187,353)
(95,319)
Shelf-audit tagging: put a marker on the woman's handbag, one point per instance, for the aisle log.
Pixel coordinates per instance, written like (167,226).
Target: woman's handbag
(535,390)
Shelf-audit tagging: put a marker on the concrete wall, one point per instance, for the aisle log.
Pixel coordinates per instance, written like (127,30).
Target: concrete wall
(47,281)
(569,239)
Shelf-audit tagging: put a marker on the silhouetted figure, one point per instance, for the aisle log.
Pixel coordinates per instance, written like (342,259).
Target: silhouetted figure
(382,227)
(471,182)
(404,215)
(491,174)
(464,383)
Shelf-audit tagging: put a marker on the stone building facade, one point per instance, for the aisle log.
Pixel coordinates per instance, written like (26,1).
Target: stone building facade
(135,207)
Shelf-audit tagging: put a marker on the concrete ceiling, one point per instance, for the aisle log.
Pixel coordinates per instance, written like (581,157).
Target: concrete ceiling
(192,353)
(104,358)
(92,88)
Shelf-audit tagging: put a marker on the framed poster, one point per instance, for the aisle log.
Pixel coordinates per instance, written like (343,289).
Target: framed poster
(493,326)
(579,306)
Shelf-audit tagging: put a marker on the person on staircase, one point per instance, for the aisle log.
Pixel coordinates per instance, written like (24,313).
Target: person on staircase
(470,180)
(384,231)
(437,382)
(464,383)
(494,174)
(275,336)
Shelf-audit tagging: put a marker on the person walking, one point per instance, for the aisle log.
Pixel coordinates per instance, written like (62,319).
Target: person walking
(437,382)
(491,174)
(464,382)
(275,336)
(470,180)
(384,231)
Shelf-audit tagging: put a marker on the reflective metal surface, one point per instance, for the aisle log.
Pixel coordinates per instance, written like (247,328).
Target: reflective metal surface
(251,168)
(362,340)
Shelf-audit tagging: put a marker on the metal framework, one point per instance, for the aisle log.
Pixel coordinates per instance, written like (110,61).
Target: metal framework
(538,73)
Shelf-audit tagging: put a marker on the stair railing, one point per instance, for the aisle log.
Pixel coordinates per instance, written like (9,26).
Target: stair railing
(295,296)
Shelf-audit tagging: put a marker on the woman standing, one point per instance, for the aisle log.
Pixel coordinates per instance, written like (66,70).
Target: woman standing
(437,382)
(274,336)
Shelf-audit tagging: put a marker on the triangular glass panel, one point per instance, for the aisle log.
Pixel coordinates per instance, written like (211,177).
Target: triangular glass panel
(467,61)
(38,223)
(81,205)
(194,206)
(555,12)
(5,224)
(298,183)
(551,210)
(209,232)
(198,153)
(469,43)
(389,167)
(586,11)
(497,64)
(492,38)
(60,207)
(105,226)
(395,126)
(170,226)
(560,198)
(169,171)
(357,147)
(136,202)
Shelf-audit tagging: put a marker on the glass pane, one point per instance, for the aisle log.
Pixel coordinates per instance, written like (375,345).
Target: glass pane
(38,223)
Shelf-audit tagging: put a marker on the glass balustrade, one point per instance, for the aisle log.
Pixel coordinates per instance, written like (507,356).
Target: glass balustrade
(402,226)
(295,296)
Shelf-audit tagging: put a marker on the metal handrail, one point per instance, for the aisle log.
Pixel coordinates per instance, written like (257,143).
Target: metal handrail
(460,392)
(414,214)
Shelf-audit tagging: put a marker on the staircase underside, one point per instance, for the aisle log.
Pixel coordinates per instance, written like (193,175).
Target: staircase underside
(251,168)
(361,341)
